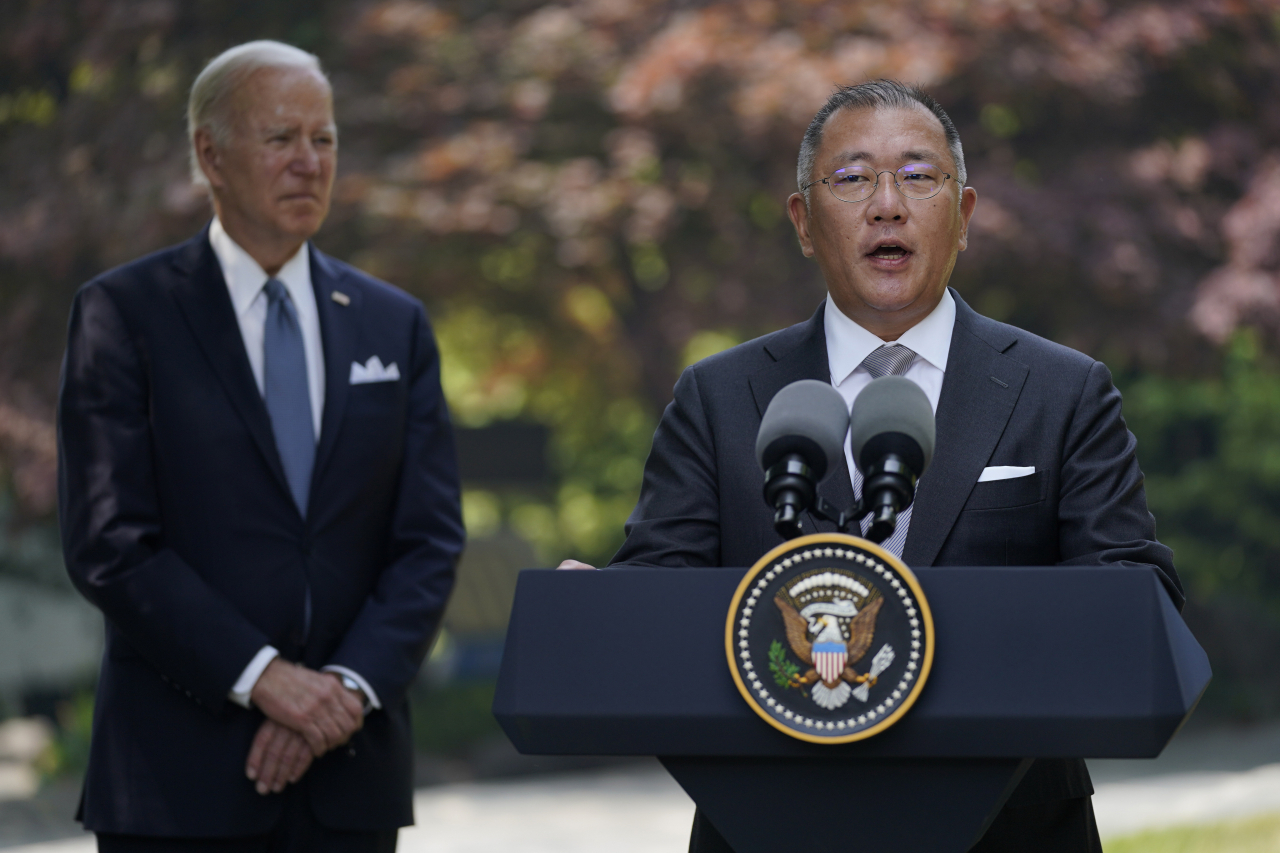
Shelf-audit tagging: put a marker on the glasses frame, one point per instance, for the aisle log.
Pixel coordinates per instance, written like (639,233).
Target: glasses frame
(946,176)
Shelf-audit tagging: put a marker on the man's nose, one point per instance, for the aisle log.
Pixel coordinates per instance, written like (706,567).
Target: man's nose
(306,160)
(886,202)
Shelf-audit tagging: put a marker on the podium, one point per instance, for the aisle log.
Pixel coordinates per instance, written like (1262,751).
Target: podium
(1044,662)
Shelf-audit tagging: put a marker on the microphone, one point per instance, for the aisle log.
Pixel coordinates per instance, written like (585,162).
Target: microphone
(801,437)
(892,435)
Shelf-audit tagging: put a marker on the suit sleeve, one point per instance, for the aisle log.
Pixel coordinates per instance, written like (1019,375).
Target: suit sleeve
(1102,510)
(676,521)
(394,628)
(111,520)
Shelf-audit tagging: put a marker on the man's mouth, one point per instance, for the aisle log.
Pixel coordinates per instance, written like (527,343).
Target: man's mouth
(888,252)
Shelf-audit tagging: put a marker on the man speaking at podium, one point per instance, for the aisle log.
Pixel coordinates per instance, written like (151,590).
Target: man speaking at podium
(1033,465)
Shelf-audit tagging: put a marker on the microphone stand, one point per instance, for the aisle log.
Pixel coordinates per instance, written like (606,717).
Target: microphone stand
(790,486)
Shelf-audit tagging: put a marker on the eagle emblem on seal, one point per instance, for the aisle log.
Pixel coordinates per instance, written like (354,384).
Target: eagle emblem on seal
(831,634)
(829,638)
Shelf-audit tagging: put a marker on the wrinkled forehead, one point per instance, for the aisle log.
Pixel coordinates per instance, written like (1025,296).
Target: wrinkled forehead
(883,137)
(277,93)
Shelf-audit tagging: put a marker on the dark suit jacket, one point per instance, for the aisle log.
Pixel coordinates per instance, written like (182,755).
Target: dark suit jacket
(178,524)
(1008,398)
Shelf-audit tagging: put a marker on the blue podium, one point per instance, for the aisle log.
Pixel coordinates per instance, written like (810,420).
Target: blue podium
(1041,662)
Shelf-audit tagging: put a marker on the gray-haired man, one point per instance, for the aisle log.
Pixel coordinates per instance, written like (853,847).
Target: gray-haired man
(258,489)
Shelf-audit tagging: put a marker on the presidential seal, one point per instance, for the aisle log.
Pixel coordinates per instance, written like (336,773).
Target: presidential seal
(829,638)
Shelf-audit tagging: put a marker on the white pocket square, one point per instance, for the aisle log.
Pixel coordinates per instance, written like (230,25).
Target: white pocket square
(373,371)
(1006,472)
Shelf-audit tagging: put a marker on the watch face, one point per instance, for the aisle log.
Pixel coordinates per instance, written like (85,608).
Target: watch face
(829,638)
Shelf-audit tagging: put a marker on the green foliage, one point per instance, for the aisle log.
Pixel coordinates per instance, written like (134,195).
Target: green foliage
(449,721)
(1251,835)
(784,670)
(68,755)
(1210,452)
(587,199)
(1000,121)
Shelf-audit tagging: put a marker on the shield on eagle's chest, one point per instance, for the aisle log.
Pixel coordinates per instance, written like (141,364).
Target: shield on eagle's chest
(829,659)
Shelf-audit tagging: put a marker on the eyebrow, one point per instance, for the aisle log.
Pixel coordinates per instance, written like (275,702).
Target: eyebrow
(294,128)
(853,156)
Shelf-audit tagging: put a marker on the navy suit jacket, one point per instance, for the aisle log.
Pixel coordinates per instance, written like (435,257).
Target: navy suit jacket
(177,523)
(1008,398)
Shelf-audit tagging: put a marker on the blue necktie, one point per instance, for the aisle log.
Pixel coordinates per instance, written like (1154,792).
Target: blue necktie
(286,393)
(892,360)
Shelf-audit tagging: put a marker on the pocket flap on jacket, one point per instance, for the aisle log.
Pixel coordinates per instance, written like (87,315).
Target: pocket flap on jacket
(1001,494)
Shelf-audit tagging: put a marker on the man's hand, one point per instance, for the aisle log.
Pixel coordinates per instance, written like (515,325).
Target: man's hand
(313,704)
(573,564)
(278,757)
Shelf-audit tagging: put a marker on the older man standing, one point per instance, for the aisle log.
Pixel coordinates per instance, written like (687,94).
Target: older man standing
(1034,465)
(258,489)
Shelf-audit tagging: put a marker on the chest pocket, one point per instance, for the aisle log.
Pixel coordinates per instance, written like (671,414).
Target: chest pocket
(1010,493)
(376,399)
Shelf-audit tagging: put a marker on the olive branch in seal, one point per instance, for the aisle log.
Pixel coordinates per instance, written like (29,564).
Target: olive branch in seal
(786,674)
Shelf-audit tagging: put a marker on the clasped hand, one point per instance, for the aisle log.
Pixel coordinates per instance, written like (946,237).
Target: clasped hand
(308,714)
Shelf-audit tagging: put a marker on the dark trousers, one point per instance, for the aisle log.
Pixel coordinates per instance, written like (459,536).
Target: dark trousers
(297,832)
(1058,826)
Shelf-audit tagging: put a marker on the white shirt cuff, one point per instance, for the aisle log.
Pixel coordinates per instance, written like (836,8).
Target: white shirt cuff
(244,684)
(372,697)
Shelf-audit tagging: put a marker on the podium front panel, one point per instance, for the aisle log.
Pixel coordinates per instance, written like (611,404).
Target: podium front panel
(1063,661)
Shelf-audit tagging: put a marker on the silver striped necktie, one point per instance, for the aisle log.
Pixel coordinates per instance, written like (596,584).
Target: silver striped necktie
(891,360)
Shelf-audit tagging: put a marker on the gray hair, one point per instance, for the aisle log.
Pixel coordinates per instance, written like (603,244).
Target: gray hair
(877,94)
(207,105)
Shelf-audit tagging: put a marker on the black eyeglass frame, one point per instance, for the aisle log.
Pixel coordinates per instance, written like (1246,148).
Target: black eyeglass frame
(946,176)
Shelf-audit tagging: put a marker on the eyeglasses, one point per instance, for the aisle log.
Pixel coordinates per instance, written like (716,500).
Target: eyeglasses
(859,183)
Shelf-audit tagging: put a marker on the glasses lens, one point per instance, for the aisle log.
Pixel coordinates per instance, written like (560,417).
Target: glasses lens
(854,183)
(920,180)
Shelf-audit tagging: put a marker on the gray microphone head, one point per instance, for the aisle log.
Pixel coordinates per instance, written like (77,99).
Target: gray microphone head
(806,417)
(892,415)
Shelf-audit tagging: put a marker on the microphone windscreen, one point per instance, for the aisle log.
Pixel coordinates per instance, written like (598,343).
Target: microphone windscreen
(806,417)
(892,404)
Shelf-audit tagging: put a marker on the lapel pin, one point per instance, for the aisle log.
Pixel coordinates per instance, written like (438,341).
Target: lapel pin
(341,298)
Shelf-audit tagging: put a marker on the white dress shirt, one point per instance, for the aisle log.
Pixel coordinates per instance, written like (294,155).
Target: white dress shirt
(245,280)
(848,344)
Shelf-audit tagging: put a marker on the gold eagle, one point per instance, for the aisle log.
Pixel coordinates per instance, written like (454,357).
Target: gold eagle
(862,629)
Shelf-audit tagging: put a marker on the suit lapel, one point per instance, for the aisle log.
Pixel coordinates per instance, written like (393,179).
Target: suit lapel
(201,294)
(340,331)
(801,353)
(979,393)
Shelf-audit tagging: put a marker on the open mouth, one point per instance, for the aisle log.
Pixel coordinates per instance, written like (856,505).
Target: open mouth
(888,252)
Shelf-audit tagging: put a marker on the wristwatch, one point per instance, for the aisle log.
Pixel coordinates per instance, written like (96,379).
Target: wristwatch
(354,686)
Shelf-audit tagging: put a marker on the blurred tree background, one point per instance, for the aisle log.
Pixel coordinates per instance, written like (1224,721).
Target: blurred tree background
(588,196)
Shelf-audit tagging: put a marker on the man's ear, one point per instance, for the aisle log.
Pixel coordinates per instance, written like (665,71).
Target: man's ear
(209,156)
(968,202)
(798,211)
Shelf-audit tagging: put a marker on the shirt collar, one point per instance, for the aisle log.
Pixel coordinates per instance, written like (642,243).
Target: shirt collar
(245,277)
(848,343)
